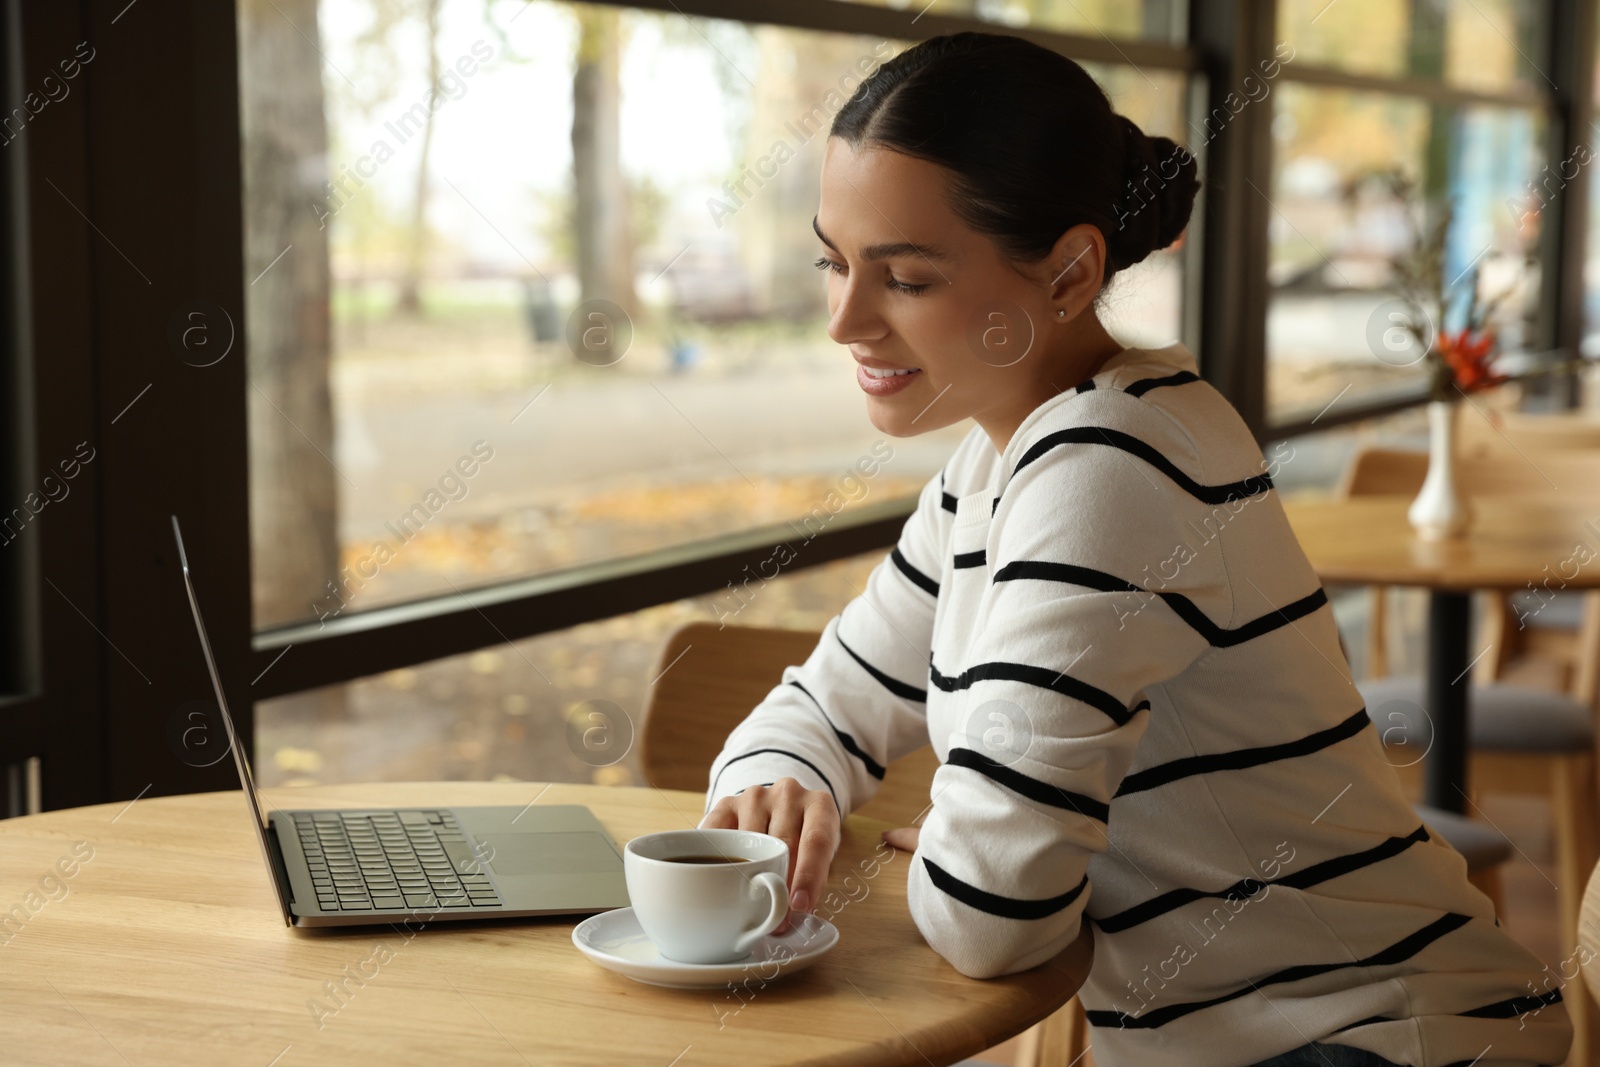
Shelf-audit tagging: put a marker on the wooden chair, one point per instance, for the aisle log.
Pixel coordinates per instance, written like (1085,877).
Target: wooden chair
(1563,446)
(708,678)
(1523,739)
(1535,431)
(1372,471)
(699,696)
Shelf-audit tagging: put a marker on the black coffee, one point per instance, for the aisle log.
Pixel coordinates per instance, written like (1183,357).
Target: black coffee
(707,859)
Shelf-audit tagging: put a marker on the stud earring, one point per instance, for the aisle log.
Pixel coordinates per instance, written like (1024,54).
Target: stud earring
(1061,313)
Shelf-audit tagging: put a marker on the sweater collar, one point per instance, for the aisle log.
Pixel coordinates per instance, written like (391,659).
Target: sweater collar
(1174,354)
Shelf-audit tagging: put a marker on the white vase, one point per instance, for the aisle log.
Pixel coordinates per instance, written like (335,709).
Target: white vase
(1440,511)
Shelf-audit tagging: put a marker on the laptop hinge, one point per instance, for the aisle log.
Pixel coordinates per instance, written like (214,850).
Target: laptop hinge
(280,872)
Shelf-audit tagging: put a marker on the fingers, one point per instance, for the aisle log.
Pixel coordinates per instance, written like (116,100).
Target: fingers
(786,815)
(819,840)
(722,816)
(806,820)
(903,837)
(753,806)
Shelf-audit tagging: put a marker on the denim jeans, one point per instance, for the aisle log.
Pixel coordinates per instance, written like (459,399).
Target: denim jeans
(1317,1054)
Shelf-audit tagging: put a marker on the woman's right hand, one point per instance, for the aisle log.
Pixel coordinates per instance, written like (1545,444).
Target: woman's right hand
(806,819)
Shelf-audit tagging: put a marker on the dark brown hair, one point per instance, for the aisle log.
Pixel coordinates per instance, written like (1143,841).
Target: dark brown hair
(1031,143)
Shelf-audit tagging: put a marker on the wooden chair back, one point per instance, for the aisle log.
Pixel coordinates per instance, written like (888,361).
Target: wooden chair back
(707,679)
(1482,470)
(1537,431)
(1372,471)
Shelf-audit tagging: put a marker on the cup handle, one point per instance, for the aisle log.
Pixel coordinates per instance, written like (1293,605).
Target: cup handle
(775,888)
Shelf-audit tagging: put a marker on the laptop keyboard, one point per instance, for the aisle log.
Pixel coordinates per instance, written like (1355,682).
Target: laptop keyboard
(378,860)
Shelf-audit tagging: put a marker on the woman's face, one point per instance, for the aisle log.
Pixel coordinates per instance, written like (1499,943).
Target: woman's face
(912,288)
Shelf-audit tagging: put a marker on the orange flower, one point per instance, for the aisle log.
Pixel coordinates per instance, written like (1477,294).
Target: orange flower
(1467,358)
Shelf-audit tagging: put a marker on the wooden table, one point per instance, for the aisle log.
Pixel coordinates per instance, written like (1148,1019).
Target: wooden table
(167,947)
(1513,538)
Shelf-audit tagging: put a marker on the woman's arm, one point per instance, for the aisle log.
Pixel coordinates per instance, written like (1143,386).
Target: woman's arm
(858,702)
(817,746)
(1066,644)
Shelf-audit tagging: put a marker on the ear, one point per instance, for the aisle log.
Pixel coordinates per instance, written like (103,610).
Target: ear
(1075,264)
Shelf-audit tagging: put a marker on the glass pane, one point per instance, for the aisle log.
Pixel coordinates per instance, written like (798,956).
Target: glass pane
(1333,229)
(431,254)
(1155,20)
(420,420)
(502,713)
(1487,45)
(1144,304)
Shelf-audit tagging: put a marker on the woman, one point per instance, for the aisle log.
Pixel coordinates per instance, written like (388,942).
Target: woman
(1101,620)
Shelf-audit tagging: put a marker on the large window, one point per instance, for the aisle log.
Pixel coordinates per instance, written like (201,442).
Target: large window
(1448,96)
(1336,224)
(1488,45)
(1123,19)
(571,313)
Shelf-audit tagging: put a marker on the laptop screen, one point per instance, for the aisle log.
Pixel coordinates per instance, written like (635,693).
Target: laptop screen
(246,780)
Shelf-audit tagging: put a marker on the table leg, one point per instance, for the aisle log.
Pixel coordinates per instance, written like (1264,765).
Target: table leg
(1449,631)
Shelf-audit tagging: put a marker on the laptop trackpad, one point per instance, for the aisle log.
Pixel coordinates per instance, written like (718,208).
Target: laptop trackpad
(576,852)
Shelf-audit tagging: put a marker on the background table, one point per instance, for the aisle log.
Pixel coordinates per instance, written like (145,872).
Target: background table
(168,948)
(1512,539)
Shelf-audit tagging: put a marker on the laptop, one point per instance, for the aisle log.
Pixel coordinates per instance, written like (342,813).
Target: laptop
(350,867)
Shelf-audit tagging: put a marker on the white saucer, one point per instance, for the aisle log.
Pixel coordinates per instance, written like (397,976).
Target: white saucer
(615,941)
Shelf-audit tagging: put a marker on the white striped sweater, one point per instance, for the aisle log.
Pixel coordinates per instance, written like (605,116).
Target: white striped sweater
(1132,679)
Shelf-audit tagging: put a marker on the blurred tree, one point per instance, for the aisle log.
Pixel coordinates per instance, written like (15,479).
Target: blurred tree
(408,301)
(602,220)
(293,492)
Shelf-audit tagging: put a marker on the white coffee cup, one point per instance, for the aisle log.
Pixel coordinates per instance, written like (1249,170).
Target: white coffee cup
(707,912)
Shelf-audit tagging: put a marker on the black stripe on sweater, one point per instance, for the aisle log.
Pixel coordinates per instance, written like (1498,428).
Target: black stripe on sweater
(781,752)
(1182,606)
(969,559)
(893,685)
(1032,788)
(922,581)
(1104,435)
(1239,759)
(1315,874)
(874,768)
(1500,1009)
(1043,677)
(1143,386)
(993,903)
(1398,952)
(1084,386)
(946,500)
(1516,1006)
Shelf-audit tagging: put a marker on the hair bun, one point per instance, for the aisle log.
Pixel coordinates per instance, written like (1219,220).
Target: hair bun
(1159,181)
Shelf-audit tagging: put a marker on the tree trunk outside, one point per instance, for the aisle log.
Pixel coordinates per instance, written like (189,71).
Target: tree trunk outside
(601,218)
(293,488)
(409,300)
